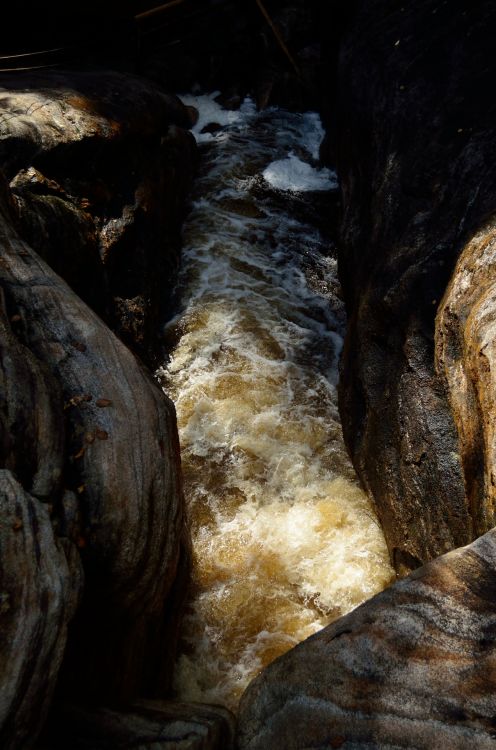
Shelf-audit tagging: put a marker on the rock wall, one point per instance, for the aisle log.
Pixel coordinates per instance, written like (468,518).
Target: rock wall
(416,141)
(413,667)
(92,537)
(41,581)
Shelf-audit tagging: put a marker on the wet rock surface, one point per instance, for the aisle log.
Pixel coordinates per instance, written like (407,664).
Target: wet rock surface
(94,549)
(416,151)
(413,667)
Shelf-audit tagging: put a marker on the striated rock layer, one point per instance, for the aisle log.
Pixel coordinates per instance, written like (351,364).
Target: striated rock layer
(413,667)
(416,148)
(40,586)
(465,361)
(92,536)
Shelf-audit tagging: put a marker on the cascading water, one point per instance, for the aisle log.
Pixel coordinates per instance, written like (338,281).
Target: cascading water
(284,540)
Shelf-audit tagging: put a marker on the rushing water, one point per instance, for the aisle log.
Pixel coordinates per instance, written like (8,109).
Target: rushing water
(284,539)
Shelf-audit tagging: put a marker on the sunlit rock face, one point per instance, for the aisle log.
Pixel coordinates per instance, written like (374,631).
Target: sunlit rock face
(465,336)
(413,667)
(416,163)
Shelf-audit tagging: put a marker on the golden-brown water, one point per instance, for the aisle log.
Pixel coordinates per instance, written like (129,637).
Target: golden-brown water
(284,539)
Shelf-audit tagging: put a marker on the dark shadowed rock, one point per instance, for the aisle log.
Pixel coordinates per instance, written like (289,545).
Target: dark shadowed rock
(32,425)
(97,168)
(121,461)
(148,725)
(417,134)
(412,668)
(100,165)
(63,233)
(227,45)
(40,579)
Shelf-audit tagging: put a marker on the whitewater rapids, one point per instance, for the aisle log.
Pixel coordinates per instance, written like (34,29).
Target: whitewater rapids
(284,539)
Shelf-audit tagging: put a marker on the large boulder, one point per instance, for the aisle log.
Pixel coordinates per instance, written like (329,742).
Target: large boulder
(413,667)
(416,144)
(121,500)
(93,544)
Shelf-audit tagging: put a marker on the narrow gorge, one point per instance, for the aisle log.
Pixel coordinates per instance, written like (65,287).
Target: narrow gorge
(246,396)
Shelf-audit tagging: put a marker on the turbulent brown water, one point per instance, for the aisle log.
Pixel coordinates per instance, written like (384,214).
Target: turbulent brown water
(284,539)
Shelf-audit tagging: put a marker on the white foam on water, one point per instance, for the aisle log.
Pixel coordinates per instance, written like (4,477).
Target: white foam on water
(211,112)
(284,540)
(296,175)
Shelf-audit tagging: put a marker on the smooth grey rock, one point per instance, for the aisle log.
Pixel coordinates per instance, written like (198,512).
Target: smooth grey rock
(411,668)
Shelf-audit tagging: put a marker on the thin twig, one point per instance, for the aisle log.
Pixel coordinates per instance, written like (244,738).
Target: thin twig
(158,9)
(28,54)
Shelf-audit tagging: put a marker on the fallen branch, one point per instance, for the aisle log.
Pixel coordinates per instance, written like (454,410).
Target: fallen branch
(278,36)
(158,9)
